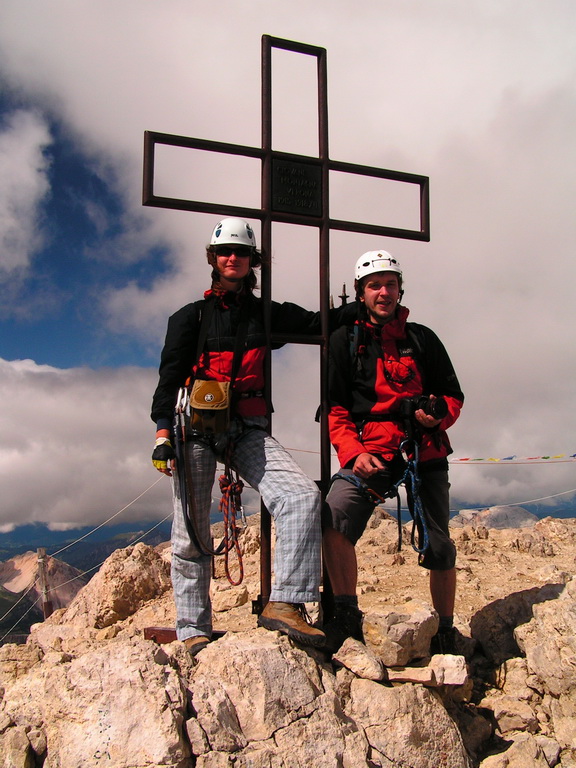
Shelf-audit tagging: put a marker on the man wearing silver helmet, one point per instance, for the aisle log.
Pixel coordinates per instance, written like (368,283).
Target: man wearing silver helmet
(215,349)
(393,395)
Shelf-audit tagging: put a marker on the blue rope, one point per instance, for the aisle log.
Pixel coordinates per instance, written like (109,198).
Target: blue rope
(410,476)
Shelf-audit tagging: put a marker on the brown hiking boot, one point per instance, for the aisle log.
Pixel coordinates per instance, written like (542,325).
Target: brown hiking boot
(195,644)
(287,618)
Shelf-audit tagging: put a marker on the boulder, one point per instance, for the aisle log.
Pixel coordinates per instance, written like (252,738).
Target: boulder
(494,625)
(122,704)
(398,638)
(523,752)
(129,578)
(359,659)
(407,725)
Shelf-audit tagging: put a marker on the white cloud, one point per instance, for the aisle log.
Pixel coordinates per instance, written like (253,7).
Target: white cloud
(77,444)
(479,96)
(23,188)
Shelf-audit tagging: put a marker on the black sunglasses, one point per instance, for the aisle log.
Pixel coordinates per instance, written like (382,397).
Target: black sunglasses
(242,251)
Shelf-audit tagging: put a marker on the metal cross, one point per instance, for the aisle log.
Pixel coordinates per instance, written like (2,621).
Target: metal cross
(303,203)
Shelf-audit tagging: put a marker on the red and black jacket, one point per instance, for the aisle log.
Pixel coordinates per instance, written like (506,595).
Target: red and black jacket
(370,377)
(179,362)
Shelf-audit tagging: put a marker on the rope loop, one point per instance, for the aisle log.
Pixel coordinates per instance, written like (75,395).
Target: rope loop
(230,506)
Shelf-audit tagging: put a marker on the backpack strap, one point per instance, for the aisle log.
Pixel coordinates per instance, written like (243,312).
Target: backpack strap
(206,312)
(416,336)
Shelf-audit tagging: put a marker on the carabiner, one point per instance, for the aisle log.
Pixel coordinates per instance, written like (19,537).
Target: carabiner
(404,450)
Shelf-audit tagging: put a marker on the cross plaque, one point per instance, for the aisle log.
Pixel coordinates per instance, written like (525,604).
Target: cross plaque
(294,190)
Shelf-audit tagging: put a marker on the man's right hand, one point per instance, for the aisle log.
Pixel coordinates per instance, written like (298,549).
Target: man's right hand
(367,465)
(163,456)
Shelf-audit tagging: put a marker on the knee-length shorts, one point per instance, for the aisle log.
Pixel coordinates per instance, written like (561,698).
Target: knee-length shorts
(347,509)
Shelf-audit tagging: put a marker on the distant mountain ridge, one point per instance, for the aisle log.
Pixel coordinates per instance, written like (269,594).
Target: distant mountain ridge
(83,554)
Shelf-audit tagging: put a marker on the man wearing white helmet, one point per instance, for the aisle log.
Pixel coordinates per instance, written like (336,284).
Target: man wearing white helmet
(221,341)
(393,395)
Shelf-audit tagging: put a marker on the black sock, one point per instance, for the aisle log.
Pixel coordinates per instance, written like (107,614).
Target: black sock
(446,623)
(346,600)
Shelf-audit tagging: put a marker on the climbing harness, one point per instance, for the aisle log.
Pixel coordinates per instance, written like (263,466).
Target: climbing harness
(411,479)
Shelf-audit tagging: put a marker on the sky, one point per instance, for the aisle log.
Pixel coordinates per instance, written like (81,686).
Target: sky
(480,97)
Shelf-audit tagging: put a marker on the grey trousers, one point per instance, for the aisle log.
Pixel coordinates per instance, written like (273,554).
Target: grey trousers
(293,501)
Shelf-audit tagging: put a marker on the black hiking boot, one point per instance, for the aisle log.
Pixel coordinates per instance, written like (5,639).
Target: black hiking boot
(444,642)
(347,622)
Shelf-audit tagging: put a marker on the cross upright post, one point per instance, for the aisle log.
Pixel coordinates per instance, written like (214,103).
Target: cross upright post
(282,201)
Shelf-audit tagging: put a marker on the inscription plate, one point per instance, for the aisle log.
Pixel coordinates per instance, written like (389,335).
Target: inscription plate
(296,187)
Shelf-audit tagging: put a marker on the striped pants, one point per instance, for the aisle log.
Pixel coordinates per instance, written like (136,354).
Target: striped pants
(293,501)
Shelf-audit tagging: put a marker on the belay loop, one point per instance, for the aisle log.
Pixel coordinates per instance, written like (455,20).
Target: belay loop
(230,505)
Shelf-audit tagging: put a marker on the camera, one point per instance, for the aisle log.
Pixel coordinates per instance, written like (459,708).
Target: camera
(435,407)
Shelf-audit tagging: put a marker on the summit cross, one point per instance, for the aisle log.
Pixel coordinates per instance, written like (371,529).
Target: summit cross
(294,190)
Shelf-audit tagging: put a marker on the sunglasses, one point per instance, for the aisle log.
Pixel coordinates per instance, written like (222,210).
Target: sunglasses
(241,251)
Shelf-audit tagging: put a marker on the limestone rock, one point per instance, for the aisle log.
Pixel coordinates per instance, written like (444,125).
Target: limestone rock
(122,704)
(549,643)
(132,577)
(495,517)
(550,748)
(511,713)
(228,598)
(523,752)
(422,675)
(408,725)
(494,626)
(21,573)
(16,749)
(257,680)
(17,660)
(551,655)
(449,669)
(359,659)
(398,638)
(259,697)
(513,678)
(87,689)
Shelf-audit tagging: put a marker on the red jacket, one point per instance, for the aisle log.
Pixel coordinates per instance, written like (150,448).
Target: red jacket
(395,361)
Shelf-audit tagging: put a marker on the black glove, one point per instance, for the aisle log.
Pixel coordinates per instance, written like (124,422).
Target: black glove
(162,454)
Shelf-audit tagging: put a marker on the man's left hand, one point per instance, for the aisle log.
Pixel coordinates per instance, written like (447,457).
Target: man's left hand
(427,421)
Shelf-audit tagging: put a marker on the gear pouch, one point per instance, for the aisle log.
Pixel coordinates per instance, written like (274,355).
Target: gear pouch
(210,406)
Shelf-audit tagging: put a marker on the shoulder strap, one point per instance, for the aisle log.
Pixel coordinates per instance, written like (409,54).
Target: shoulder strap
(239,341)
(355,343)
(206,311)
(414,333)
(417,337)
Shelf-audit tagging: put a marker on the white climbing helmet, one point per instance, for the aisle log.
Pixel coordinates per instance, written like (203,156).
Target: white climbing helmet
(233,231)
(376,261)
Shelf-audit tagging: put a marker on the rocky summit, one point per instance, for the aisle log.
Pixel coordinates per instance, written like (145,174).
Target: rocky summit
(89,689)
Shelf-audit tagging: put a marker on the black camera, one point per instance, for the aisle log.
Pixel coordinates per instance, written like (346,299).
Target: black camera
(435,407)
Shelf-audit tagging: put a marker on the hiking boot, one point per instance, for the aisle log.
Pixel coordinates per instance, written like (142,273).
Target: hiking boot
(288,619)
(347,622)
(196,644)
(444,642)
